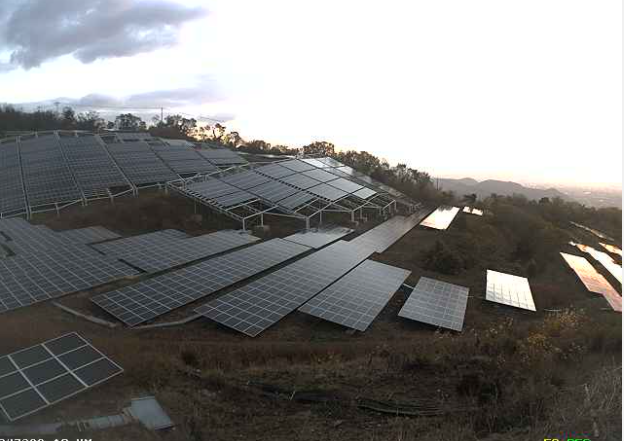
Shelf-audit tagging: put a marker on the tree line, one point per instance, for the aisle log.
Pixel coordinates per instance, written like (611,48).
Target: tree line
(412,182)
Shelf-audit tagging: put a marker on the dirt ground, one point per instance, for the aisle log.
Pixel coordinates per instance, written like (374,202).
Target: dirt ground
(510,372)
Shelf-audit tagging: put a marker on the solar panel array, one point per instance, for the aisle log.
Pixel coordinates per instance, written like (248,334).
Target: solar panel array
(263,302)
(89,235)
(182,159)
(47,177)
(319,237)
(12,196)
(151,298)
(611,248)
(216,192)
(160,255)
(48,264)
(441,219)
(509,290)
(59,170)
(383,236)
(475,211)
(605,260)
(221,157)
(357,299)
(437,303)
(290,185)
(140,164)
(140,242)
(593,280)
(50,273)
(45,374)
(91,164)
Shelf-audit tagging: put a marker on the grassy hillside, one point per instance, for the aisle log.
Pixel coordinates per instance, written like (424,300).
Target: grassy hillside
(510,374)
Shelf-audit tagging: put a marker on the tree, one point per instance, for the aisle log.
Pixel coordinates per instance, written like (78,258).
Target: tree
(323,148)
(90,121)
(68,118)
(130,122)
(470,199)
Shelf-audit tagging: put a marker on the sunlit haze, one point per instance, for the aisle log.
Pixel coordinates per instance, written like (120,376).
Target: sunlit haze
(527,91)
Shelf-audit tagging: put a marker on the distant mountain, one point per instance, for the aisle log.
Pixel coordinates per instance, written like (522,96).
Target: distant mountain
(503,188)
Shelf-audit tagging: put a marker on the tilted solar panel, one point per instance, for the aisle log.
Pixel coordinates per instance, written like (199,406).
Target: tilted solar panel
(151,298)
(437,303)
(593,280)
(319,237)
(31,278)
(47,178)
(44,374)
(441,219)
(508,289)
(357,299)
(262,303)
(159,255)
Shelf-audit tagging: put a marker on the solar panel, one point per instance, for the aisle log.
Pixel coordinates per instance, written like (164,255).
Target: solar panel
(331,162)
(133,136)
(274,171)
(44,374)
(31,278)
(141,242)
(383,236)
(300,181)
(222,156)
(319,237)
(12,197)
(27,238)
(47,178)
(605,260)
(474,211)
(245,180)
(593,280)
(140,164)
(611,248)
(591,230)
(365,193)
(211,188)
(90,163)
(88,235)
(262,303)
(345,185)
(328,192)
(151,298)
(159,256)
(297,200)
(356,299)
(441,218)
(319,175)
(273,191)
(437,303)
(233,199)
(296,165)
(509,290)
(182,159)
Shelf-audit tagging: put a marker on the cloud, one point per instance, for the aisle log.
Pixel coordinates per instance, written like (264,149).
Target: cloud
(34,31)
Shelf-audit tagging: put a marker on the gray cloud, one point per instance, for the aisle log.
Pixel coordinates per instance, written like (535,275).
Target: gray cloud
(148,103)
(34,31)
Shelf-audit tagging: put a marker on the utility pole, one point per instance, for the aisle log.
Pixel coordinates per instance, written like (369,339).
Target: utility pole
(161,115)
(56,103)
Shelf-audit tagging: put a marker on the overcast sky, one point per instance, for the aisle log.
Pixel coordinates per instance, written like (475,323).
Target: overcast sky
(520,90)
